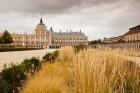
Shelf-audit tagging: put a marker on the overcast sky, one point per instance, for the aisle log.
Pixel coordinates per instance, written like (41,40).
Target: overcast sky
(96,18)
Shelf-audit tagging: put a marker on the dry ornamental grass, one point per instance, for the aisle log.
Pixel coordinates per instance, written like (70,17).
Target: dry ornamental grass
(89,71)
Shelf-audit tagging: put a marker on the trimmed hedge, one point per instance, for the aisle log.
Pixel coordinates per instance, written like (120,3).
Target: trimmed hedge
(17,49)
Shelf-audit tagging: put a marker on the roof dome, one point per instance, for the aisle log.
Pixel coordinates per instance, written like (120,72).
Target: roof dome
(41,26)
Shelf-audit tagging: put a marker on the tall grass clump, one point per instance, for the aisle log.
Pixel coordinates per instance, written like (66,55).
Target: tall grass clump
(53,78)
(66,54)
(104,72)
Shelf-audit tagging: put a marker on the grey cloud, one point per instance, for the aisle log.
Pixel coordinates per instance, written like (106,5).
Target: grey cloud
(49,6)
(37,6)
(102,17)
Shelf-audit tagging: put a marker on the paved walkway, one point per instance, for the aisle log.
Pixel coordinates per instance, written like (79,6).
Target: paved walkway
(19,56)
(134,59)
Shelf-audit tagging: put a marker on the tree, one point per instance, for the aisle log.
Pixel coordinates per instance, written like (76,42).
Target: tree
(7,38)
(1,40)
(95,42)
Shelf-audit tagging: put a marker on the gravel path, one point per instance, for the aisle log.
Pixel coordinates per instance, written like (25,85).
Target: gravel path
(134,59)
(19,56)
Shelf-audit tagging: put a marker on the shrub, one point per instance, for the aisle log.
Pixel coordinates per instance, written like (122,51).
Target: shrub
(1,81)
(31,65)
(50,57)
(12,78)
(79,48)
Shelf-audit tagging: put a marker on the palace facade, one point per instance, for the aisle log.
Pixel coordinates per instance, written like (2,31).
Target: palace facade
(44,38)
(112,40)
(133,34)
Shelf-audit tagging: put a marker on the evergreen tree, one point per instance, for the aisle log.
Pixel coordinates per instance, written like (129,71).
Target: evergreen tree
(7,38)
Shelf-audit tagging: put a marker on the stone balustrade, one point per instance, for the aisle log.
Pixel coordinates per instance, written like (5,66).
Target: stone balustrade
(132,45)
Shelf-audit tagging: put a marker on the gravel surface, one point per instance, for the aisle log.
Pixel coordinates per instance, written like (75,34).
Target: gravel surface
(19,56)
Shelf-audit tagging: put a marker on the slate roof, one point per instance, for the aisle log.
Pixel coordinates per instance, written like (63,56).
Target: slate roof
(68,34)
(133,30)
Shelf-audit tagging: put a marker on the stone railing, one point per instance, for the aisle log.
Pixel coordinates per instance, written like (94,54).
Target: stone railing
(132,45)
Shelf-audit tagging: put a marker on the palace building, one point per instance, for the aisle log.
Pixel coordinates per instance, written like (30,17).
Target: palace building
(133,34)
(113,40)
(44,38)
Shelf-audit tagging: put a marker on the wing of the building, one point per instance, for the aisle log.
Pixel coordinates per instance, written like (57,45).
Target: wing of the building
(133,34)
(69,39)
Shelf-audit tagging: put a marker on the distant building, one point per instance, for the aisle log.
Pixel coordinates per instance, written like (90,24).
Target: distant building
(44,38)
(113,40)
(133,34)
